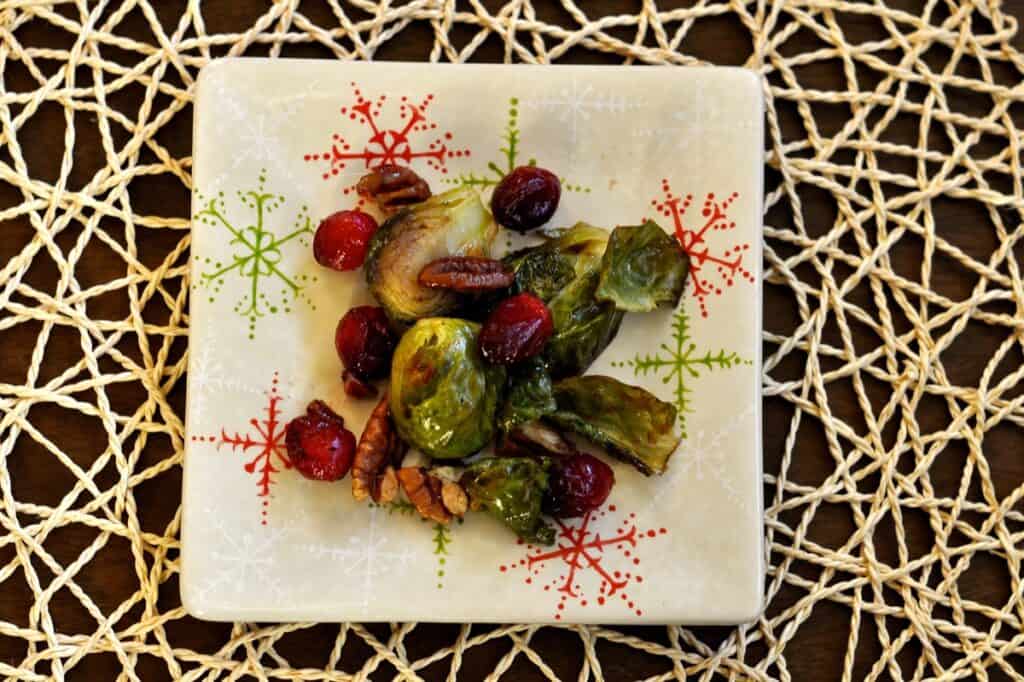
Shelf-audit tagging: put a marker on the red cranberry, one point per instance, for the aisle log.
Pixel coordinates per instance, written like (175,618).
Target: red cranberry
(364,342)
(578,484)
(356,387)
(526,198)
(319,445)
(342,238)
(516,329)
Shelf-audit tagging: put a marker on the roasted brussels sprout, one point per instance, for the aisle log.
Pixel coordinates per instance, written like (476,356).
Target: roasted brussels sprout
(627,421)
(512,490)
(451,224)
(642,268)
(564,272)
(529,394)
(444,396)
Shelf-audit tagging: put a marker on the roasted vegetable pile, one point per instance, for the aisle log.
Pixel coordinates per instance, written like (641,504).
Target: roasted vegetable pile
(479,351)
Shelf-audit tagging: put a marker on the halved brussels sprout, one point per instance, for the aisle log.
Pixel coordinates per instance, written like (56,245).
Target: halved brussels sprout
(512,490)
(443,394)
(564,272)
(642,268)
(451,224)
(627,421)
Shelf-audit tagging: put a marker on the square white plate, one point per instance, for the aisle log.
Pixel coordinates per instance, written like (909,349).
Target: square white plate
(278,145)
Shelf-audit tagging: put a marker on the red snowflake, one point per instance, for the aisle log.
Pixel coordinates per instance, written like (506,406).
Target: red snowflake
(725,266)
(267,442)
(582,551)
(386,144)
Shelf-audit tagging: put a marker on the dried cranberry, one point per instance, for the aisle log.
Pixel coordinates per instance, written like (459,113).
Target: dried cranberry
(516,329)
(356,387)
(342,238)
(526,198)
(319,445)
(578,484)
(365,343)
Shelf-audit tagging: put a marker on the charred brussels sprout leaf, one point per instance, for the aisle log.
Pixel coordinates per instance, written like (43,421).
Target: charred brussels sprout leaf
(529,395)
(451,224)
(583,327)
(627,421)
(564,272)
(512,489)
(642,268)
(443,395)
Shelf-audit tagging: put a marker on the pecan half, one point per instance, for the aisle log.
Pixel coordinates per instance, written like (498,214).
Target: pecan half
(454,498)
(425,493)
(467,274)
(391,186)
(378,450)
(356,387)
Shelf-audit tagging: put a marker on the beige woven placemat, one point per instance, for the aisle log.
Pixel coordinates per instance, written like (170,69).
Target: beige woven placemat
(912,147)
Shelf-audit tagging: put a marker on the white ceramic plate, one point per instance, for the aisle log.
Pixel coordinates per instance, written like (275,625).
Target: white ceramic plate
(278,145)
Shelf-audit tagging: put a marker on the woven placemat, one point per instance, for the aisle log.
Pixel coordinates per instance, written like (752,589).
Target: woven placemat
(893,355)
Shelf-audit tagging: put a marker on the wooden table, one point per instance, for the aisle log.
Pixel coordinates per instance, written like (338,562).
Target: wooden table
(817,651)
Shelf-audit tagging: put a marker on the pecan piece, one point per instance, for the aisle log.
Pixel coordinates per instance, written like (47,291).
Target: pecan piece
(378,450)
(454,498)
(392,186)
(425,493)
(467,274)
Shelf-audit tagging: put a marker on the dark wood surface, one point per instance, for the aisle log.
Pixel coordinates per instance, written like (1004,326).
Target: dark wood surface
(817,650)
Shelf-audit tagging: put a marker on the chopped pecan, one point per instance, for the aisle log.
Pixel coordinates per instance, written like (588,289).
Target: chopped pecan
(356,387)
(454,498)
(467,274)
(392,186)
(379,449)
(425,493)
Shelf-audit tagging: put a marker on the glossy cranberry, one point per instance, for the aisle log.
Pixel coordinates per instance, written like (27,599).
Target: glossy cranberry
(356,387)
(342,238)
(516,329)
(319,445)
(365,343)
(578,484)
(526,198)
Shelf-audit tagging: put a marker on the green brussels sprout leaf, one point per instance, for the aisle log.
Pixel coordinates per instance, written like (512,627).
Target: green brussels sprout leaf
(643,267)
(528,396)
(564,272)
(512,489)
(451,224)
(627,421)
(444,396)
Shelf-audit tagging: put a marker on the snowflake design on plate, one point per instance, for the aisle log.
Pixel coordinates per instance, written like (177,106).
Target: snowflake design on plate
(590,569)
(245,560)
(364,557)
(257,253)
(510,159)
(679,362)
(441,538)
(266,439)
(385,142)
(713,269)
(574,104)
(703,458)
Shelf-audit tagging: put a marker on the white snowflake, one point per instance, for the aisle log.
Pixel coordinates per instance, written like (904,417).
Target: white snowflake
(365,556)
(575,104)
(244,562)
(209,378)
(702,457)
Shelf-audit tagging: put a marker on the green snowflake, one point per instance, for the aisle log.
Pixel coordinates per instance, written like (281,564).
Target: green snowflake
(256,254)
(510,153)
(680,362)
(442,534)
